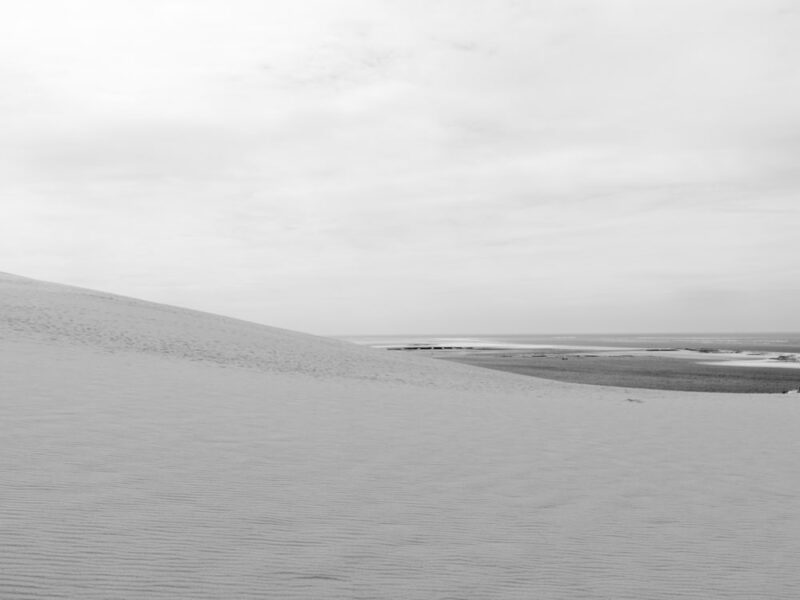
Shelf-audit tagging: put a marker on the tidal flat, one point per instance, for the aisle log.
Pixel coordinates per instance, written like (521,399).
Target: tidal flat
(737,363)
(653,371)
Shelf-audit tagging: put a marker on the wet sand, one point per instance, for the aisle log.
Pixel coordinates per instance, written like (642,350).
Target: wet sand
(640,370)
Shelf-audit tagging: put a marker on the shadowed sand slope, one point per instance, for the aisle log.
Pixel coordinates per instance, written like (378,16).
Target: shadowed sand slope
(149,452)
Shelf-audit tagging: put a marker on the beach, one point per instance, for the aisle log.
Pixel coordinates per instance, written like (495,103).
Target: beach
(151,451)
(761,363)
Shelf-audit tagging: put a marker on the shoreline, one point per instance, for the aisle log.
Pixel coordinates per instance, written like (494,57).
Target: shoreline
(638,371)
(680,368)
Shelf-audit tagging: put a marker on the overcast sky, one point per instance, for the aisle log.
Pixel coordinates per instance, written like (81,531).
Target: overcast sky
(398,166)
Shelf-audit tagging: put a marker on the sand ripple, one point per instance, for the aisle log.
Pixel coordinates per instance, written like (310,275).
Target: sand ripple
(130,477)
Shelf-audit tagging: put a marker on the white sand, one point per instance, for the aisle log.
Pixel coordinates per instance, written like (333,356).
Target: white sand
(156,452)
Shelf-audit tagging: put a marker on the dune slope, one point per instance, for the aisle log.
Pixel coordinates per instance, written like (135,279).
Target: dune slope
(149,451)
(67,316)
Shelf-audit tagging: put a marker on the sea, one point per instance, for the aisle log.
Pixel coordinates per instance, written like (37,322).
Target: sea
(709,362)
(742,342)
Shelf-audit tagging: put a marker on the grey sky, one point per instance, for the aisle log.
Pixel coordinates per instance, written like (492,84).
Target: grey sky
(342,166)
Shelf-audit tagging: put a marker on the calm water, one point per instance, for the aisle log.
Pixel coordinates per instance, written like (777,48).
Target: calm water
(756,342)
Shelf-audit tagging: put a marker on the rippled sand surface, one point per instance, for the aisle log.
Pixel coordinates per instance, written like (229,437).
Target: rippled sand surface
(134,472)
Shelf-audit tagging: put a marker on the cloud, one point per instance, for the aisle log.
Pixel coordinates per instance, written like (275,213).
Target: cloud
(510,158)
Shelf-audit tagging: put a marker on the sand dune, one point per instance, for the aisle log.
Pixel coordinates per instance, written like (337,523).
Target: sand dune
(66,316)
(149,451)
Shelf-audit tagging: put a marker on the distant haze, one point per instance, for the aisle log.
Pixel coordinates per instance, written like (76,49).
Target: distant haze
(379,166)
